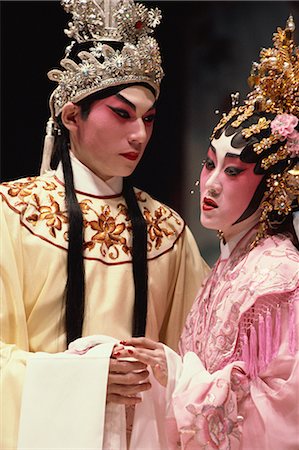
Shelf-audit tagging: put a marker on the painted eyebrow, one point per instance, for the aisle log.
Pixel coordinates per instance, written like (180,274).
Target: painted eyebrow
(126,101)
(130,104)
(232,155)
(229,155)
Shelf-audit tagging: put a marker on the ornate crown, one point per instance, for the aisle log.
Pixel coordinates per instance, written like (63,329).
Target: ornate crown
(274,82)
(96,22)
(275,89)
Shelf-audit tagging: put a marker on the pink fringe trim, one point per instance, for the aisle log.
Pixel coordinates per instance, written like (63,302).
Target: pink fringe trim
(268,337)
(292,328)
(261,344)
(245,349)
(253,353)
(277,332)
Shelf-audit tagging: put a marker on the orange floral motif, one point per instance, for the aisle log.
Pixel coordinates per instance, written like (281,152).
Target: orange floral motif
(52,214)
(49,186)
(21,189)
(155,229)
(140,198)
(108,234)
(85,205)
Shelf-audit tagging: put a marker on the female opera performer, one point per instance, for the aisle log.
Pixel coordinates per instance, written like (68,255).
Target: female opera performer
(235,383)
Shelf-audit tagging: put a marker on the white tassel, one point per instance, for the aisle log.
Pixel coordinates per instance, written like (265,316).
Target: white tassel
(48,146)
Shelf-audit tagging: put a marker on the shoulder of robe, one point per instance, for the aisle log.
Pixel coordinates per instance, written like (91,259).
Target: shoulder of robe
(270,268)
(39,204)
(19,194)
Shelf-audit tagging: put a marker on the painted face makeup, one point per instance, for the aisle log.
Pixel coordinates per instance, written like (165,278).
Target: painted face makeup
(227,186)
(112,139)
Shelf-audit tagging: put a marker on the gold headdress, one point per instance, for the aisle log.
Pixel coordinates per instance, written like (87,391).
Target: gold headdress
(275,93)
(118,49)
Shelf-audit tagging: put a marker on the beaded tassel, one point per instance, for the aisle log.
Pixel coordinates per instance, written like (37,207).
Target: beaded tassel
(262,343)
(291,328)
(245,350)
(268,337)
(277,331)
(253,353)
(48,146)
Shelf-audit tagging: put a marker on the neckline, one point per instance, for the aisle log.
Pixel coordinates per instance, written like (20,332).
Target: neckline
(227,249)
(86,181)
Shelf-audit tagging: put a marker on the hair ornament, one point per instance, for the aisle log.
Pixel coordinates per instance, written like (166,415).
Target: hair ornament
(244,113)
(196,184)
(281,154)
(282,192)
(235,98)
(274,79)
(265,143)
(224,120)
(283,126)
(256,128)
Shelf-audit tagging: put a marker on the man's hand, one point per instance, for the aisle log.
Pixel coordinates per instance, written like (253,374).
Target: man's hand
(126,380)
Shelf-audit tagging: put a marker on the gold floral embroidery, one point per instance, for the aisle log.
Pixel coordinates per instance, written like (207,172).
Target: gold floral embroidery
(52,214)
(155,229)
(107,227)
(108,234)
(21,190)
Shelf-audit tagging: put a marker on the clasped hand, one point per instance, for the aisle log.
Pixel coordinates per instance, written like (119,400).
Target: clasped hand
(128,374)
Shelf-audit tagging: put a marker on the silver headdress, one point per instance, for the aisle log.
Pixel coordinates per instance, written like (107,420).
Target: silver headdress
(118,49)
(97,22)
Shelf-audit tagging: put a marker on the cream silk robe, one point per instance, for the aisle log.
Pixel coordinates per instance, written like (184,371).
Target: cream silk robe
(33,273)
(237,385)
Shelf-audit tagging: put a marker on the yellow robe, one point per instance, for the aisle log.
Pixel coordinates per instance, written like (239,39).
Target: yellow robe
(33,275)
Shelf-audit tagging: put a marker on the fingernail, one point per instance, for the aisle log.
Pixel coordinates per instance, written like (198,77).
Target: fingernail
(123,342)
(116,354)
(130,352)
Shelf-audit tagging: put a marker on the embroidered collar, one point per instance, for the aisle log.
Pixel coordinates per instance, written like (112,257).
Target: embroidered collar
(227,248)
(86,181)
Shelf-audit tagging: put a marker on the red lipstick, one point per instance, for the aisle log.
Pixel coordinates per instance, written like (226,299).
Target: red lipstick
(132,156)
(208,204)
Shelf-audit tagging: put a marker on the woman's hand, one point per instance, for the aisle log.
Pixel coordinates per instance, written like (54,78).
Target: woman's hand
(126,380)
(148,352)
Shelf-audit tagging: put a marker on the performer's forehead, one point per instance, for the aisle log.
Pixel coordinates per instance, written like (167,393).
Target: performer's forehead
(223,145)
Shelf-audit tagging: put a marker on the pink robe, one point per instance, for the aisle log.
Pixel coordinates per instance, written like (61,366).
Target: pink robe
(237,386)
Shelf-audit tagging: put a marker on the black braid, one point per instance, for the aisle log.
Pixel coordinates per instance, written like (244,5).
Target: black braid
(139,259)
(75,285)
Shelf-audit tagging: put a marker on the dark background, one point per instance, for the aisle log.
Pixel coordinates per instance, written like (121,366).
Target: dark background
(207,50)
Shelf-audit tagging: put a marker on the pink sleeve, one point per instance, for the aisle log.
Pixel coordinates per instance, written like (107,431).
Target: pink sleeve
(203,410)
(228,410)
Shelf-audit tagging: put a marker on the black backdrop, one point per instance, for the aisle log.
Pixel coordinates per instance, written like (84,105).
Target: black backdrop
(32,42)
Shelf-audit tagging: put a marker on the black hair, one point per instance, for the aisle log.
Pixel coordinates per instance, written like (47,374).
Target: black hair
(75,284)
